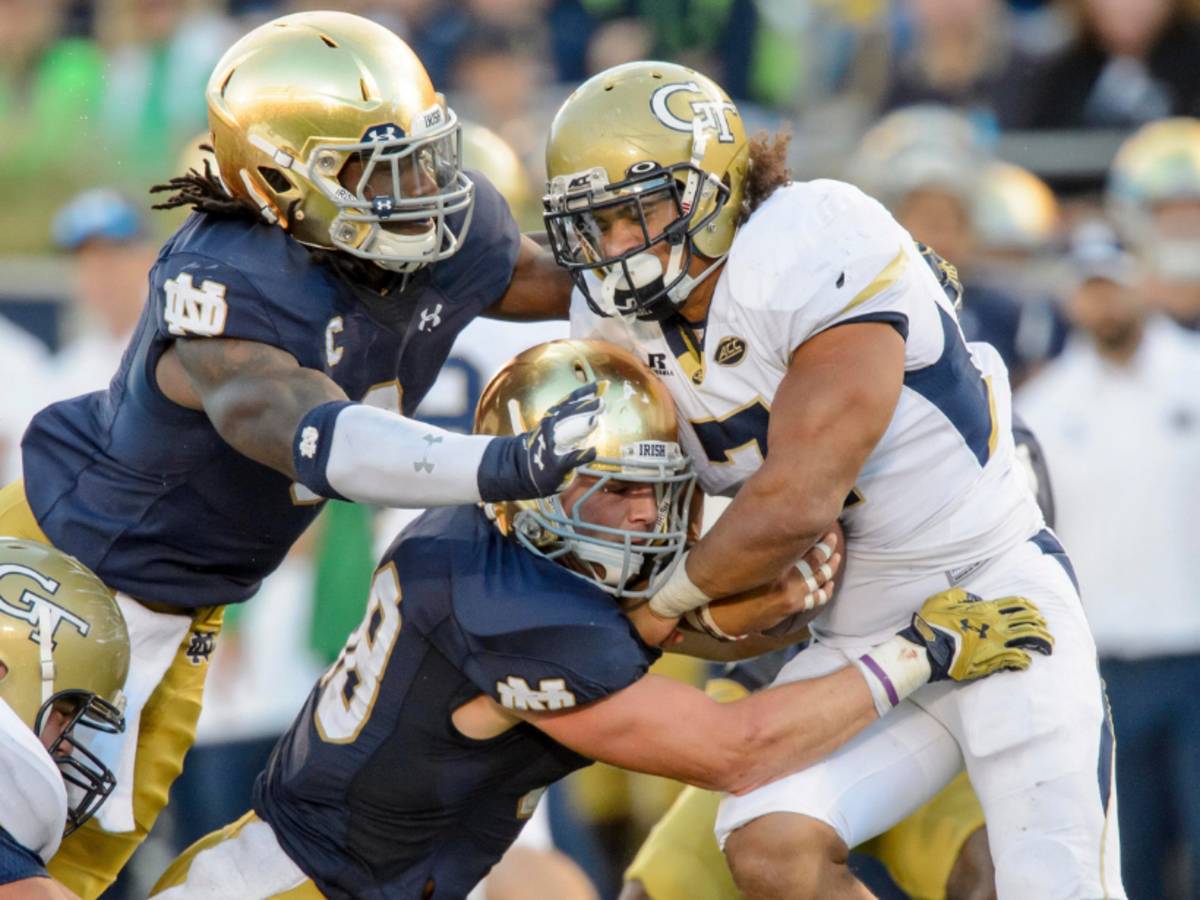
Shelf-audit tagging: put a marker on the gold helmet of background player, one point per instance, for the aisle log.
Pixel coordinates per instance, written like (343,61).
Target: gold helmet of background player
(328,124)
(1014,210)
(631,137)
(1153,194)
(486,152)
(635,440)
(63,646)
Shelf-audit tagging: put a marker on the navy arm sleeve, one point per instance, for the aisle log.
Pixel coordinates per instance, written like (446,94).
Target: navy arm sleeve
(18,862)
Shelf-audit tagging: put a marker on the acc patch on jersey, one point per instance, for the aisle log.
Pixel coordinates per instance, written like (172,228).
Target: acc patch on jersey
(731,351)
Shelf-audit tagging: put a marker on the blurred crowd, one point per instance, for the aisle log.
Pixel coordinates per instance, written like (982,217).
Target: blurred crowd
(1044,147)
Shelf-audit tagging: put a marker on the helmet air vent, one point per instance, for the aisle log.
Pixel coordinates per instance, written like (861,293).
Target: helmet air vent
(225,83)
(362,87)
(329,42)
(276,179)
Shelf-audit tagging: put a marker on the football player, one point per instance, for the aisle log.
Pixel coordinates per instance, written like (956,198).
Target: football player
(293,322)
(801,317)
(64,654)
(495,658)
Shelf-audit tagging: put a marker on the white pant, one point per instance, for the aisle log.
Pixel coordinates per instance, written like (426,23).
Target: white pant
(1037,746)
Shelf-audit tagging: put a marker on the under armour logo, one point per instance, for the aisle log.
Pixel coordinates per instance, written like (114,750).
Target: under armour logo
(308,442)
(200,647)
(424,465)
(430,318)
(965,625)
(383,207)
(388,132)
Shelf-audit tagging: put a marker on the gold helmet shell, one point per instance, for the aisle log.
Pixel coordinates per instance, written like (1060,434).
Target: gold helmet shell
(297,98)
(485,151)
(1013,209)
(63,645)
(636,439)
(1158,163)
(631,129)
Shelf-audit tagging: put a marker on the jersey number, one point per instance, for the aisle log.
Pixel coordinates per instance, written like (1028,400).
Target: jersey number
(349,688)
(743,429)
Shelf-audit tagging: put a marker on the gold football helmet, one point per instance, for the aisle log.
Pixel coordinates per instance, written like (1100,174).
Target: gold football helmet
(1015,210)
(1158,167)
(485,151)
(924,146)
(64,647)
(626,140)
(635,440)
(327,123)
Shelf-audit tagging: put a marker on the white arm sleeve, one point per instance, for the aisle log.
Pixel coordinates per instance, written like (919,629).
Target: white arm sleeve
(382,458)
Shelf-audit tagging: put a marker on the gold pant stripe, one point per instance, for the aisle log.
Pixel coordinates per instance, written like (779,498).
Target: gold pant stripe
(177,873)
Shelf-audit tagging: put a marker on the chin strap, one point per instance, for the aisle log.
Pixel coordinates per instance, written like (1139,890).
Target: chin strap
(46,650)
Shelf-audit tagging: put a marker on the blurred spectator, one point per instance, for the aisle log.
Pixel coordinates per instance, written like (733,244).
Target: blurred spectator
(160,54)
(105,235)
(1154,195)
(926,164)
(23,359)
(960,54)
(1118,415)
(497,81)
(724,39)
(1132,61)
(50,89)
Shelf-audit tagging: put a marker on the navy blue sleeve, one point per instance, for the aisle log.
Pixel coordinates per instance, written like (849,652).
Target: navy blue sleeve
(18,862)
(481,271)
(554,667)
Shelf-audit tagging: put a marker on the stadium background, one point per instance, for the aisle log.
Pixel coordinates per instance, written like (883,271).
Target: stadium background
(99,100)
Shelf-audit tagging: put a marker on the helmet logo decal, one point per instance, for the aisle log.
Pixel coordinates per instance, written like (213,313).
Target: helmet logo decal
(713,114)
(643,167)
(31,612)
(388,131)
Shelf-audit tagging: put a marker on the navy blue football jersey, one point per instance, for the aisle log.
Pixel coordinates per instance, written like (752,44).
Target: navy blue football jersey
(373,792)
(147,494)
(18,862)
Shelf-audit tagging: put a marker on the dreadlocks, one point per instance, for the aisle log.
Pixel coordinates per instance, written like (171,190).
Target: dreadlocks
(202,191)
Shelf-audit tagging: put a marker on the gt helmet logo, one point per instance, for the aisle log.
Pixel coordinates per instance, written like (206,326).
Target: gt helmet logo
(713,114)
(29,604)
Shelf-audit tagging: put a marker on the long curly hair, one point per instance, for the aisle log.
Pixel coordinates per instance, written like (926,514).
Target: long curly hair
(767,169)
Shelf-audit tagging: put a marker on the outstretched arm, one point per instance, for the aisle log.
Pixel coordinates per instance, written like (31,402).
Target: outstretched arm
(662,727)
(540,288)
(300,423)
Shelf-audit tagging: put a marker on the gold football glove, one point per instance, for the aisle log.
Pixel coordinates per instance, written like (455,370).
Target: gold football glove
(966,637)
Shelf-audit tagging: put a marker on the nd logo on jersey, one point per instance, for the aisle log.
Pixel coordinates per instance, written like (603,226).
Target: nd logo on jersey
(713,114)
(192,310)
(551,693)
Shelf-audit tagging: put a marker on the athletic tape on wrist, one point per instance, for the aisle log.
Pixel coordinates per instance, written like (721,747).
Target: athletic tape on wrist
(893,670)
(312,444)
(679,595)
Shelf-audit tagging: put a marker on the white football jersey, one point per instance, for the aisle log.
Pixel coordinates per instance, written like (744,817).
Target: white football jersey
(34,805)
(940,491)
